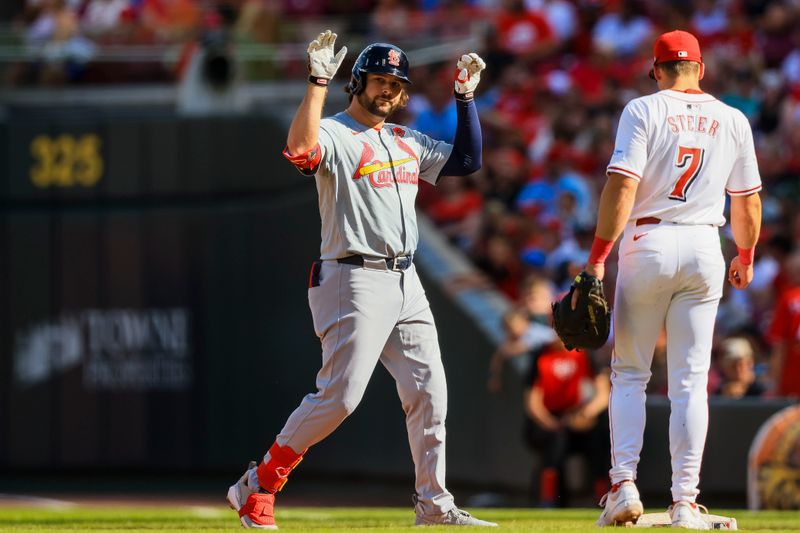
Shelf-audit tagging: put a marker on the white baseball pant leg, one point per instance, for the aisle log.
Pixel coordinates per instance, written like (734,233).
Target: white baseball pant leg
(690,333)
(363,315)
(671,277)
(413,358)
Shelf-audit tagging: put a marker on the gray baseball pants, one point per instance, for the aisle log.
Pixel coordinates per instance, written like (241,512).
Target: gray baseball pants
(363,315)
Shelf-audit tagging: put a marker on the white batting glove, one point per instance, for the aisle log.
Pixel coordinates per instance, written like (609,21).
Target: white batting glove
(468,74)
(322,63)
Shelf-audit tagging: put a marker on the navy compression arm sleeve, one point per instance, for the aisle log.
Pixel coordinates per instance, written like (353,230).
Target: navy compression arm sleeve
(467,146)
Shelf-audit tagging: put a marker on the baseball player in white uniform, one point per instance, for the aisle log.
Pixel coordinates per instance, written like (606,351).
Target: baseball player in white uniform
(365,296)
(677,153)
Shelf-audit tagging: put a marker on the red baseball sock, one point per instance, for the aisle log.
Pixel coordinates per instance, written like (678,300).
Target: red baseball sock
(272,475)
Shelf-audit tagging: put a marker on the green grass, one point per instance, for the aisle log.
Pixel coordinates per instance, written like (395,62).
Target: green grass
(329,520)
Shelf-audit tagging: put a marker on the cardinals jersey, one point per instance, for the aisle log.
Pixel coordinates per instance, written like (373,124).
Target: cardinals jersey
(686,150)
(367,182)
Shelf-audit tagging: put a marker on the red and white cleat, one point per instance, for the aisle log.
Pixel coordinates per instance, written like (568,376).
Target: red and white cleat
(622,505)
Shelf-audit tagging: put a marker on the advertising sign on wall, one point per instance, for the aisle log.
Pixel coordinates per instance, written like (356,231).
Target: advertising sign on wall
(117,349)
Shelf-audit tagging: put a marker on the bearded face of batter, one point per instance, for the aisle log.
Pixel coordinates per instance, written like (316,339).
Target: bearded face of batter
(382,95)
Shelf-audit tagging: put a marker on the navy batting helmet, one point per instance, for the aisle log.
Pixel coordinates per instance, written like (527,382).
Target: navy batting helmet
(378,58)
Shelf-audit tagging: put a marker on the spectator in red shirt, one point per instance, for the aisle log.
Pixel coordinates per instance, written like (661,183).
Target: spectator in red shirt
(524,33)
(566,397)
(170,20)
(784,334)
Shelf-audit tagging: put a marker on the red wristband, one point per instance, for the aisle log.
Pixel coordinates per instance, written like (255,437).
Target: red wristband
(600,250)
(746,255)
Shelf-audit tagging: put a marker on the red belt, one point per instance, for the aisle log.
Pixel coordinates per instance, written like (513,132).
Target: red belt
(647,220)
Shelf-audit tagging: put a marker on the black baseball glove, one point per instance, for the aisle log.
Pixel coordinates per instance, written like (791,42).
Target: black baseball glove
(588,325)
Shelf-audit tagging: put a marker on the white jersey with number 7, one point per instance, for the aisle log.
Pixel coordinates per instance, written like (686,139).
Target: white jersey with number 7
(686,150)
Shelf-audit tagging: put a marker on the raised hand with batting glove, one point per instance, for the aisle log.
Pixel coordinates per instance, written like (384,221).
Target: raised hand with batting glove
(322,62)
(468,75)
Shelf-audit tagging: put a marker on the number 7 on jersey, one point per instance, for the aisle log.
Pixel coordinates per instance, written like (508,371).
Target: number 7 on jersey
(692,160)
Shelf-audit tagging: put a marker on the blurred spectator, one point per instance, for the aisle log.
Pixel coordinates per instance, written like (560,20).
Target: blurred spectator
(539,198)
(456,208)
(101,17)
(784,334)
(536,298)
(737,366)
(560,15)
(499,261)
(769,278)
(436,114)
(772,92)
(514,114)
(515,325)
(791,64)
(527,329)
(566,397)
(570,215)
(451,19)
(589,75)
(773,264)
(709,20)
(774,34)
(303,8)
(55,40)
(567,260)
(258,22)
(393,21)
(523,33)
(742,93)
(623,30)
(170,20)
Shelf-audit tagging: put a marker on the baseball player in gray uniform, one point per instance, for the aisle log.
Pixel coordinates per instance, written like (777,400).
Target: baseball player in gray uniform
(365,296)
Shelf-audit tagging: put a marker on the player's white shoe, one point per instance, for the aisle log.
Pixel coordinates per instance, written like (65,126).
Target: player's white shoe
(622,505)
(254,506)
(687,515)
(453,517)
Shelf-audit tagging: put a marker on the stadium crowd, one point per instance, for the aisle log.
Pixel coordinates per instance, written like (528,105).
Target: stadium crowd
(559,73)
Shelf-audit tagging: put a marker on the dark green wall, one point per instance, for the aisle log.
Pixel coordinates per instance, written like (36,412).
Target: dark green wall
(203,220)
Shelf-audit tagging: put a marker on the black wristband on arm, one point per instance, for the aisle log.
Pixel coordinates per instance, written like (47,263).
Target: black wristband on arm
(322,82)
(465,97)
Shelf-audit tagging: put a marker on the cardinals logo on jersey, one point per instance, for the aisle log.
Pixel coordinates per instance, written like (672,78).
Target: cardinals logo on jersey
(381,173)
